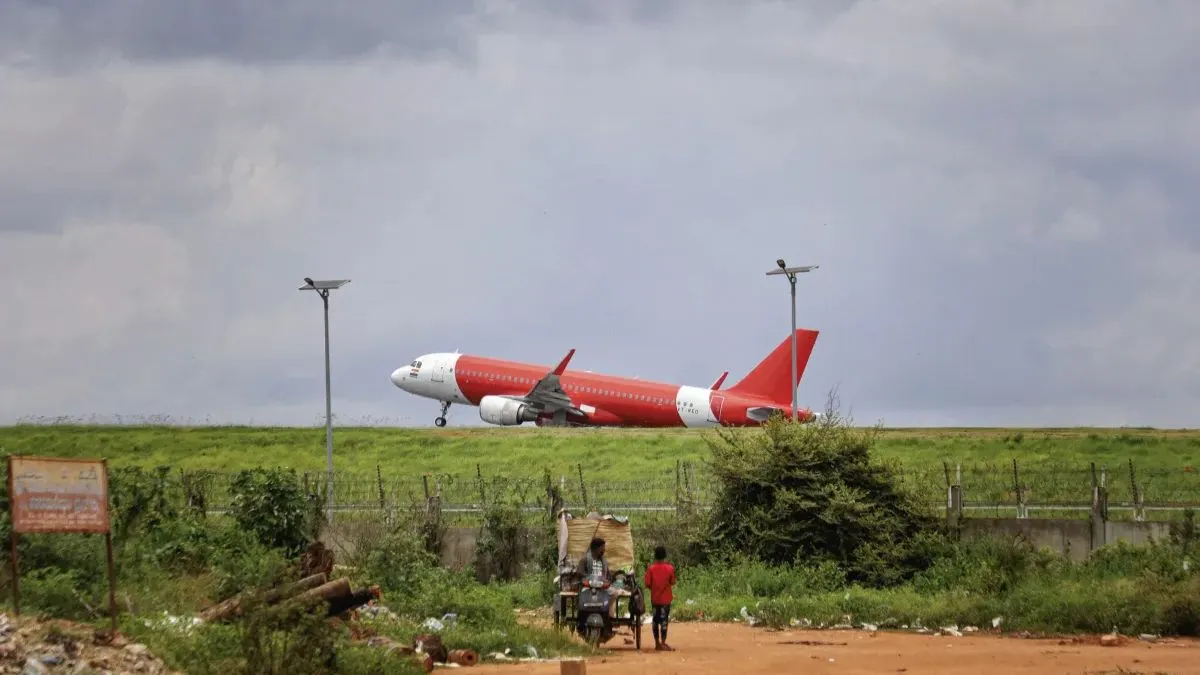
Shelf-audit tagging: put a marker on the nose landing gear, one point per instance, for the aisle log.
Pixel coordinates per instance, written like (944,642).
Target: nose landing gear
(441,419)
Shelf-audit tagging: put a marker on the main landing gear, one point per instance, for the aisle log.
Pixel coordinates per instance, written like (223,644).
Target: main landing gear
(441,419)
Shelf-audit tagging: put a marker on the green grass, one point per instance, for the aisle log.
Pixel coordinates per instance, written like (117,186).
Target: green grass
(606,454)
(623,466)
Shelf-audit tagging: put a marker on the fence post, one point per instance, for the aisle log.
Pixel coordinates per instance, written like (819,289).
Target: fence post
(1099,514)
(482,486)
(1139,510)
(688,477)
(678,488)
(954,505)
(583,489)
(379,480)
(1022,512)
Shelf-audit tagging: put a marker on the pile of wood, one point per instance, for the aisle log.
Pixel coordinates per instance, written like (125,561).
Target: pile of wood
(341,601)
(338,595)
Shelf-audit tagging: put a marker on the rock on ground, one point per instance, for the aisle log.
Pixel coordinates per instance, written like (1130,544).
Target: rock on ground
(32,647)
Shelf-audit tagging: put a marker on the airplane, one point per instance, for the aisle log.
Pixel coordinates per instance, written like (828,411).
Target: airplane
(509,393)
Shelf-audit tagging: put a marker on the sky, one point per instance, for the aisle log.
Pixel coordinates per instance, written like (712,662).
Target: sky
(1000,195)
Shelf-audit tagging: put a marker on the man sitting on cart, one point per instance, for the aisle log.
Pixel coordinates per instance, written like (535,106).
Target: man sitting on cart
(593,568)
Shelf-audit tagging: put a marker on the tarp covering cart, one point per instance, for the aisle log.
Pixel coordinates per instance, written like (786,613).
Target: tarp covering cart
(574,536)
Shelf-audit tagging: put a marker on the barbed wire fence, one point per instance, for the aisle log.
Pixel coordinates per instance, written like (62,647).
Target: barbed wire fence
(982,490)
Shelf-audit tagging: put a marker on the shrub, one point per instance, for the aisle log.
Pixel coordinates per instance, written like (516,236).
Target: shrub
(796,492)
(272,504)
(503,545)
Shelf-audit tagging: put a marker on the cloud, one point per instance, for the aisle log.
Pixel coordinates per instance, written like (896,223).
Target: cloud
(999,194)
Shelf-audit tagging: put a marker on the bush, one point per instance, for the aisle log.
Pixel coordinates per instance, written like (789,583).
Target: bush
(272,504)
(810,492)
(503,544)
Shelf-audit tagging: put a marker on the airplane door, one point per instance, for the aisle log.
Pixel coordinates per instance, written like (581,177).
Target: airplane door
(716,405)
(439,371)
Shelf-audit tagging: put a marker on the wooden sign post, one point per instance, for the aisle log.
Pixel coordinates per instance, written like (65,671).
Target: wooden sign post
(51,494)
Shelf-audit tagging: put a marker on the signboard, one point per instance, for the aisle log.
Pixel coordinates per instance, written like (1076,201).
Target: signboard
(49,494)
(58,495)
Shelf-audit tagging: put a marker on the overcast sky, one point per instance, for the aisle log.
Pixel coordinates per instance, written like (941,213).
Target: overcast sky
(1002,196)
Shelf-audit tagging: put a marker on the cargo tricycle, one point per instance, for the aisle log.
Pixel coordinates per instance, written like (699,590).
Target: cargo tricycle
(591,607)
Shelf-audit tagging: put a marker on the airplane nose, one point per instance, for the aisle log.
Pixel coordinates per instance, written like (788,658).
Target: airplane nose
(398,376)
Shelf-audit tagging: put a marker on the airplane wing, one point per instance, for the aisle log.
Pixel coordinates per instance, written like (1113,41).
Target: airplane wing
(720,381)
(547,394)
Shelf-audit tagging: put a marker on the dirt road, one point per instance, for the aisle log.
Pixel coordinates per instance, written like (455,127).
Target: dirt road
(711,649)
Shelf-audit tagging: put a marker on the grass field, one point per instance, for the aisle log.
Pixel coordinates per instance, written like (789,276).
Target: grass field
(606,454)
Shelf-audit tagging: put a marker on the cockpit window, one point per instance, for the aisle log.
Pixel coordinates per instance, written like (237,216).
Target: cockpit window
(415,364)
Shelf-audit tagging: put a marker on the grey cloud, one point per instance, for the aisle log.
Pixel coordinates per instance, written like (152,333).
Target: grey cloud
(998,195)
(236,30)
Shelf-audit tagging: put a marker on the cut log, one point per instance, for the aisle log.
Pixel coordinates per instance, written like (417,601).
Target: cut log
(317,559)
(288,590)
(233,606)
(464,657)
(353,601)
(338,588)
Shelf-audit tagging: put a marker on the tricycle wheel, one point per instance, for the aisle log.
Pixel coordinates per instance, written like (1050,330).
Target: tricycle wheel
(593,637)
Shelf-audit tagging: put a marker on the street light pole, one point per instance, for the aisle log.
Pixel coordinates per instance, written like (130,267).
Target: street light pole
(323,288)
(791,273)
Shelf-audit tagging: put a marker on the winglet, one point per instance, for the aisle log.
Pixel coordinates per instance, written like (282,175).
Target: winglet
(720,381)
(562,365)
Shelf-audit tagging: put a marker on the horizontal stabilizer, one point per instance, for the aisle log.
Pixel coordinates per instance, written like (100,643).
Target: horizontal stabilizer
(720,380)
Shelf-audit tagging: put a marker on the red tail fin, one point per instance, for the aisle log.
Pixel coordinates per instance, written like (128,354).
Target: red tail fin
(771,378)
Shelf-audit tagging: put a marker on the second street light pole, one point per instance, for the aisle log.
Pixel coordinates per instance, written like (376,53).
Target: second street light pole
(323,288)
(791,273)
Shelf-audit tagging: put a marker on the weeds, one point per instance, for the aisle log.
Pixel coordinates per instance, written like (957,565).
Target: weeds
(807,526)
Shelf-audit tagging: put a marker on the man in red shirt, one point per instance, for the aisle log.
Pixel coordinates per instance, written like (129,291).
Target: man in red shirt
(660,577)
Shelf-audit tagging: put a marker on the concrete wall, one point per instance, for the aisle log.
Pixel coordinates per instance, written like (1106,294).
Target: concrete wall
(458,547)
(1073,537)
(1136,533)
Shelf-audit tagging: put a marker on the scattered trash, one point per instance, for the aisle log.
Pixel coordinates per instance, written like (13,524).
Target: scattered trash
(34,647)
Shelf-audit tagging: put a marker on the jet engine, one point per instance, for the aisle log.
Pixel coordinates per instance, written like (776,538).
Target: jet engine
(505,411)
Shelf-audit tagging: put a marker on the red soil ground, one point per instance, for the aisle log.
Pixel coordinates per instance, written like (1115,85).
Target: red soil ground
(730,649)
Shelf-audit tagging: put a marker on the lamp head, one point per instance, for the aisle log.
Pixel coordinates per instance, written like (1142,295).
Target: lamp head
(308,281)
(782,265)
